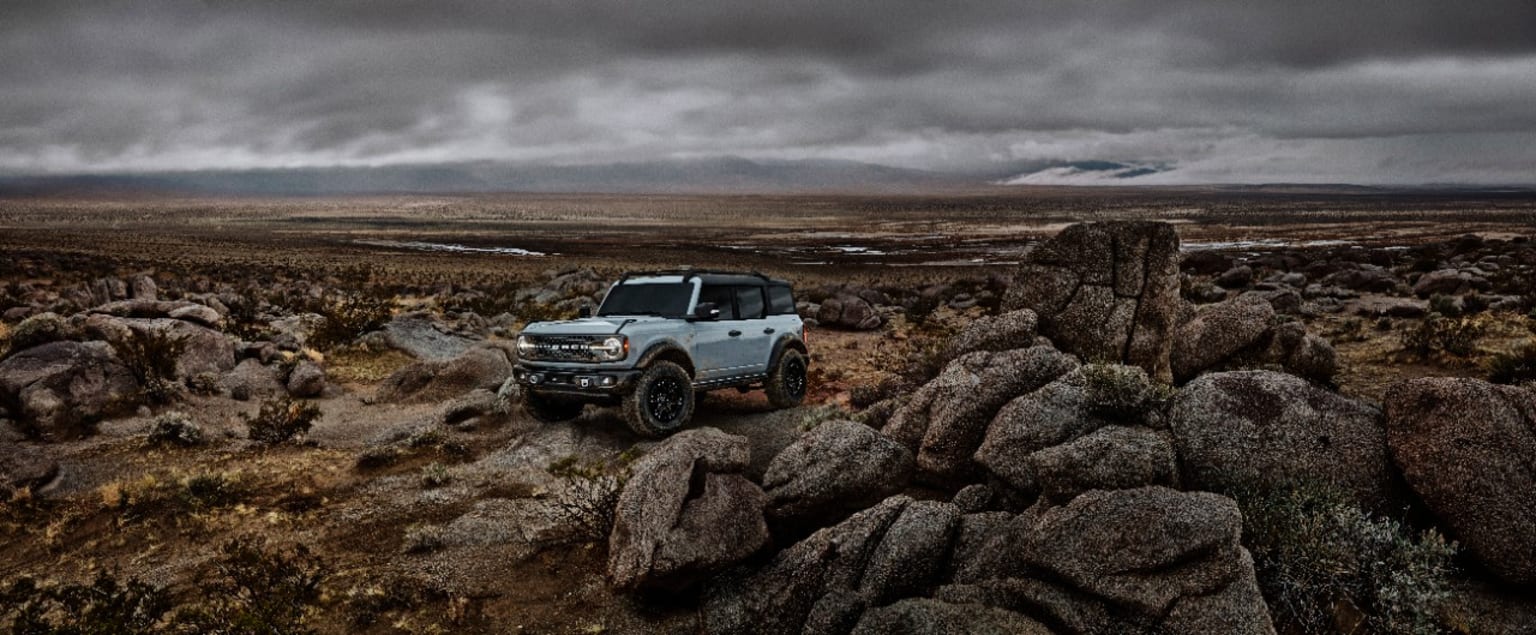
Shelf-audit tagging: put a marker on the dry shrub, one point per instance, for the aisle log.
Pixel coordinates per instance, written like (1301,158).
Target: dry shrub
(281,419)
(151,358)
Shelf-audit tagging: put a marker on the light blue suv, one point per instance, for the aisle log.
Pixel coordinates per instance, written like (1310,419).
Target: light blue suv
(661,337)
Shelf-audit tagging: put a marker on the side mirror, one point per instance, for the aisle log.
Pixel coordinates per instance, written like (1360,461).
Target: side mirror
(584,312)
(706,311)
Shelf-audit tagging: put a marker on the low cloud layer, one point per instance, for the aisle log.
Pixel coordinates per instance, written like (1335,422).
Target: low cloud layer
(1394,93)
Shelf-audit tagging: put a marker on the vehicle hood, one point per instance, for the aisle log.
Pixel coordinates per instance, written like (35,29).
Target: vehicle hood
(588,326)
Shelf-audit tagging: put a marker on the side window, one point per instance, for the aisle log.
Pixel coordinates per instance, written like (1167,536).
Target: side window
(722,297)
(749,301)
(780,301)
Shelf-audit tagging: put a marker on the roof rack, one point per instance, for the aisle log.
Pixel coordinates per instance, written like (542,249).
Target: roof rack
(689,274)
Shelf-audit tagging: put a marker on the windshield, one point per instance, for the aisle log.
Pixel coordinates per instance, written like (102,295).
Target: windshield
(667,299)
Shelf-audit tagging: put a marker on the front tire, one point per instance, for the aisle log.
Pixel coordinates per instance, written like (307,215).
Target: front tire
(786,382)
(662,402)
(547,409)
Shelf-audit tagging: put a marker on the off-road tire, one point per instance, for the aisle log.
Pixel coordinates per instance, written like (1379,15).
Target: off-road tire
(786,384)
(550,409)
(662,401)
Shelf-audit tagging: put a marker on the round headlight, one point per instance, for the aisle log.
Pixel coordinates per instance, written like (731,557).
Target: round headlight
(524,345)
(610,349)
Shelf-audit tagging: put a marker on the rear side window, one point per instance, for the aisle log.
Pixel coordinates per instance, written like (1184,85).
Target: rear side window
(780,300)
(722,297)
(749,302)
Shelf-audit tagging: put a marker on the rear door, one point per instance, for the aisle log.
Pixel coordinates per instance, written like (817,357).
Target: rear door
(755,343)
(713,344)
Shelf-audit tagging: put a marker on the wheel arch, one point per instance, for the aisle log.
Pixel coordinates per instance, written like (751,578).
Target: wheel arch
(666,352)
(788,342)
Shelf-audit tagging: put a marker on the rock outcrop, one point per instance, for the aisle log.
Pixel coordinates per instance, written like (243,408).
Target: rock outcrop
(1009,331)
(849,312)
(1090,429)
(946,419)
(1252,428)
(1141,560)
(1468,449)
(686,513)
(58,389)
(1106,292)
(824,584)
(483,367)
(837,468)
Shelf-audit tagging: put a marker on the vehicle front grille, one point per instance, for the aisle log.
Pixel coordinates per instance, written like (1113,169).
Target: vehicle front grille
(562,348)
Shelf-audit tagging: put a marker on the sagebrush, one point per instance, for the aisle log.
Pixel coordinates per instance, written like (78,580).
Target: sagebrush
(1319,556)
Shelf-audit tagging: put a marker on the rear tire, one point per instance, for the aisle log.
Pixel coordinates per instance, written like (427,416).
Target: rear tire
(662,402)
(786,382)
(550,409)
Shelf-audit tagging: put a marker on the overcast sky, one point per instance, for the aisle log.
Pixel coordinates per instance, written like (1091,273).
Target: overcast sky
(1328,91)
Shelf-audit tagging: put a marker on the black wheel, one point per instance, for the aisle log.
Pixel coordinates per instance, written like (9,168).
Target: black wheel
(786,380)
(550,409)
(662,402)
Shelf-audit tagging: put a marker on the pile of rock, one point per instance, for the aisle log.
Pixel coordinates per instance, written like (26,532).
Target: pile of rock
(1080,494)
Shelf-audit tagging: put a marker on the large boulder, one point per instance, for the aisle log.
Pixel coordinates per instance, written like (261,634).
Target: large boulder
(200,349)
(177,309)
(823,584)
(59,388)
(947,418)
(1012,330)
(1106,292)
(686,513)
(837,468)
(306,380)
(1112,457)
(483,367)
(1468,449)
(849,312)
(1141,560)
(1253,428)
(1217,332)
(1046,441)
(251,379)
(1449,282)
(424,338)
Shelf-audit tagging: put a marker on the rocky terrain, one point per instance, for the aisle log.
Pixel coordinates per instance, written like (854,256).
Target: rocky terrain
(1120,431)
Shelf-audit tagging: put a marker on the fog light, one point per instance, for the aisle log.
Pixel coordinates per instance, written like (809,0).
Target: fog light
(535,378)
(608,380)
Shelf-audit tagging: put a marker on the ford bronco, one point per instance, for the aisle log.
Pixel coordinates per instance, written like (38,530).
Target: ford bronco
(659,340)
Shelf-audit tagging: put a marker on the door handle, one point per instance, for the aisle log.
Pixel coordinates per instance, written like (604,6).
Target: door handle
(734,333)
(768,331)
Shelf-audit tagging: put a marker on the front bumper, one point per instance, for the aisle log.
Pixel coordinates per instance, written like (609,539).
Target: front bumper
(580,382)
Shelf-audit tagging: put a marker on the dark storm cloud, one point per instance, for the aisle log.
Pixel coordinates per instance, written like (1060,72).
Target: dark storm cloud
(1221,90)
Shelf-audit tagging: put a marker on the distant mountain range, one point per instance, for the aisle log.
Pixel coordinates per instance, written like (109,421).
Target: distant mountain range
(706,175)
(713,175)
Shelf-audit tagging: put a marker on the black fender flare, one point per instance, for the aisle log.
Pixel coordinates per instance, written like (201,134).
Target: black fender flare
(785,342)
(666,350)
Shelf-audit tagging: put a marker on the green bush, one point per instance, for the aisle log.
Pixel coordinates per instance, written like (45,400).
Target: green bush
(174,428)
(281,419)
(1120,392)
(1316,553)
(1516,367)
